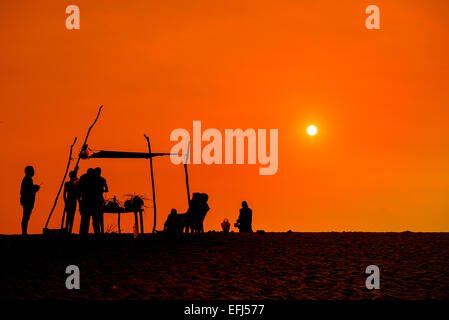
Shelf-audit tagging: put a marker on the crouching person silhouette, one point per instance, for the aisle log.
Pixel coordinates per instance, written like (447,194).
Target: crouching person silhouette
(244,222)
(27,197)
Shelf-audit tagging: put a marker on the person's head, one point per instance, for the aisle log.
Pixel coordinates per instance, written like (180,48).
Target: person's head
(72,175)
(98,171)
(204,197)
(174,211)
(29,171)
(244,204)
(196,196)
(90,171)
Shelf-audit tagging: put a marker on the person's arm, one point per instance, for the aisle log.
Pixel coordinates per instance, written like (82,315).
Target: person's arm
(106,189)
(35,187)
(22,192)
(22,188)
(240,215)
(27,188)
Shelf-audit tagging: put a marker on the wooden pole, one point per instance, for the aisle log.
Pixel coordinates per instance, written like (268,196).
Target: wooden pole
(152,182)
(136,222)
(60,187)
(187,175)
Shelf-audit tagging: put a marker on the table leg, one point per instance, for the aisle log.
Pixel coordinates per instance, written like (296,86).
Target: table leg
(141,222)
(136,221)
(118,223)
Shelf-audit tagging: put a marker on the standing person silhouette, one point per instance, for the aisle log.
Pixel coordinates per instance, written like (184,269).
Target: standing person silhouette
(88,202)
(27,197)
(244,222)
(102,188)
(71,196)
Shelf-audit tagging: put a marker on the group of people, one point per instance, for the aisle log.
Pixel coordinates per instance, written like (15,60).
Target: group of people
(88,191)
(192,221)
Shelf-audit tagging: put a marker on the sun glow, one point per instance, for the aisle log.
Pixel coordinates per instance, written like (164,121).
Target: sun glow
(312,130)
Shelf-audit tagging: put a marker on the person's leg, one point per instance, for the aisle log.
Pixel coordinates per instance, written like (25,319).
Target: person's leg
(84,225)
(96,222)
(69,219)
(101,222)
(25,219)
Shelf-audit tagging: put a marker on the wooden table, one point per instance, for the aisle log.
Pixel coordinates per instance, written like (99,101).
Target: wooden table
(135,218)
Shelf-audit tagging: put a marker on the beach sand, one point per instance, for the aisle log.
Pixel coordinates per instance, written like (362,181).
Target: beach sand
(232,266)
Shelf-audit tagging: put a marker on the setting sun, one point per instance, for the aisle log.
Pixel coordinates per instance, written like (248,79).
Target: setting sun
(312,130)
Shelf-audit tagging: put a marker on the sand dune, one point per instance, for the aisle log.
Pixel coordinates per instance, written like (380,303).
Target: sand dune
(233,266)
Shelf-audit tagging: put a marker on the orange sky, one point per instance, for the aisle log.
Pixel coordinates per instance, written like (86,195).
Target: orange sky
(380,99)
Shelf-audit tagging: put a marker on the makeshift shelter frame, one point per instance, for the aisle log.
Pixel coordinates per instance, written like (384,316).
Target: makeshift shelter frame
(138,155)
(117,154)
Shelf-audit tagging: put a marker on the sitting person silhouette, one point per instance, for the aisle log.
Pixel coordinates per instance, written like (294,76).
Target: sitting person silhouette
(192,220)
(204,209)
(171,225)
(27,197)
(245,218)
(195,212)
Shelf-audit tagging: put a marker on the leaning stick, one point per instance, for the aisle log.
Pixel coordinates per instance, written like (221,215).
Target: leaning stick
(84,146)
(62,183)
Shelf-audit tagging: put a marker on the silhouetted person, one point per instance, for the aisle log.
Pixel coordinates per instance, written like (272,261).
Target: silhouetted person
(194,213)
(197,212)
(102,187)
(204,209)
(245,218)
(88,186)
(27,196)
(71,196)
(171,225)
